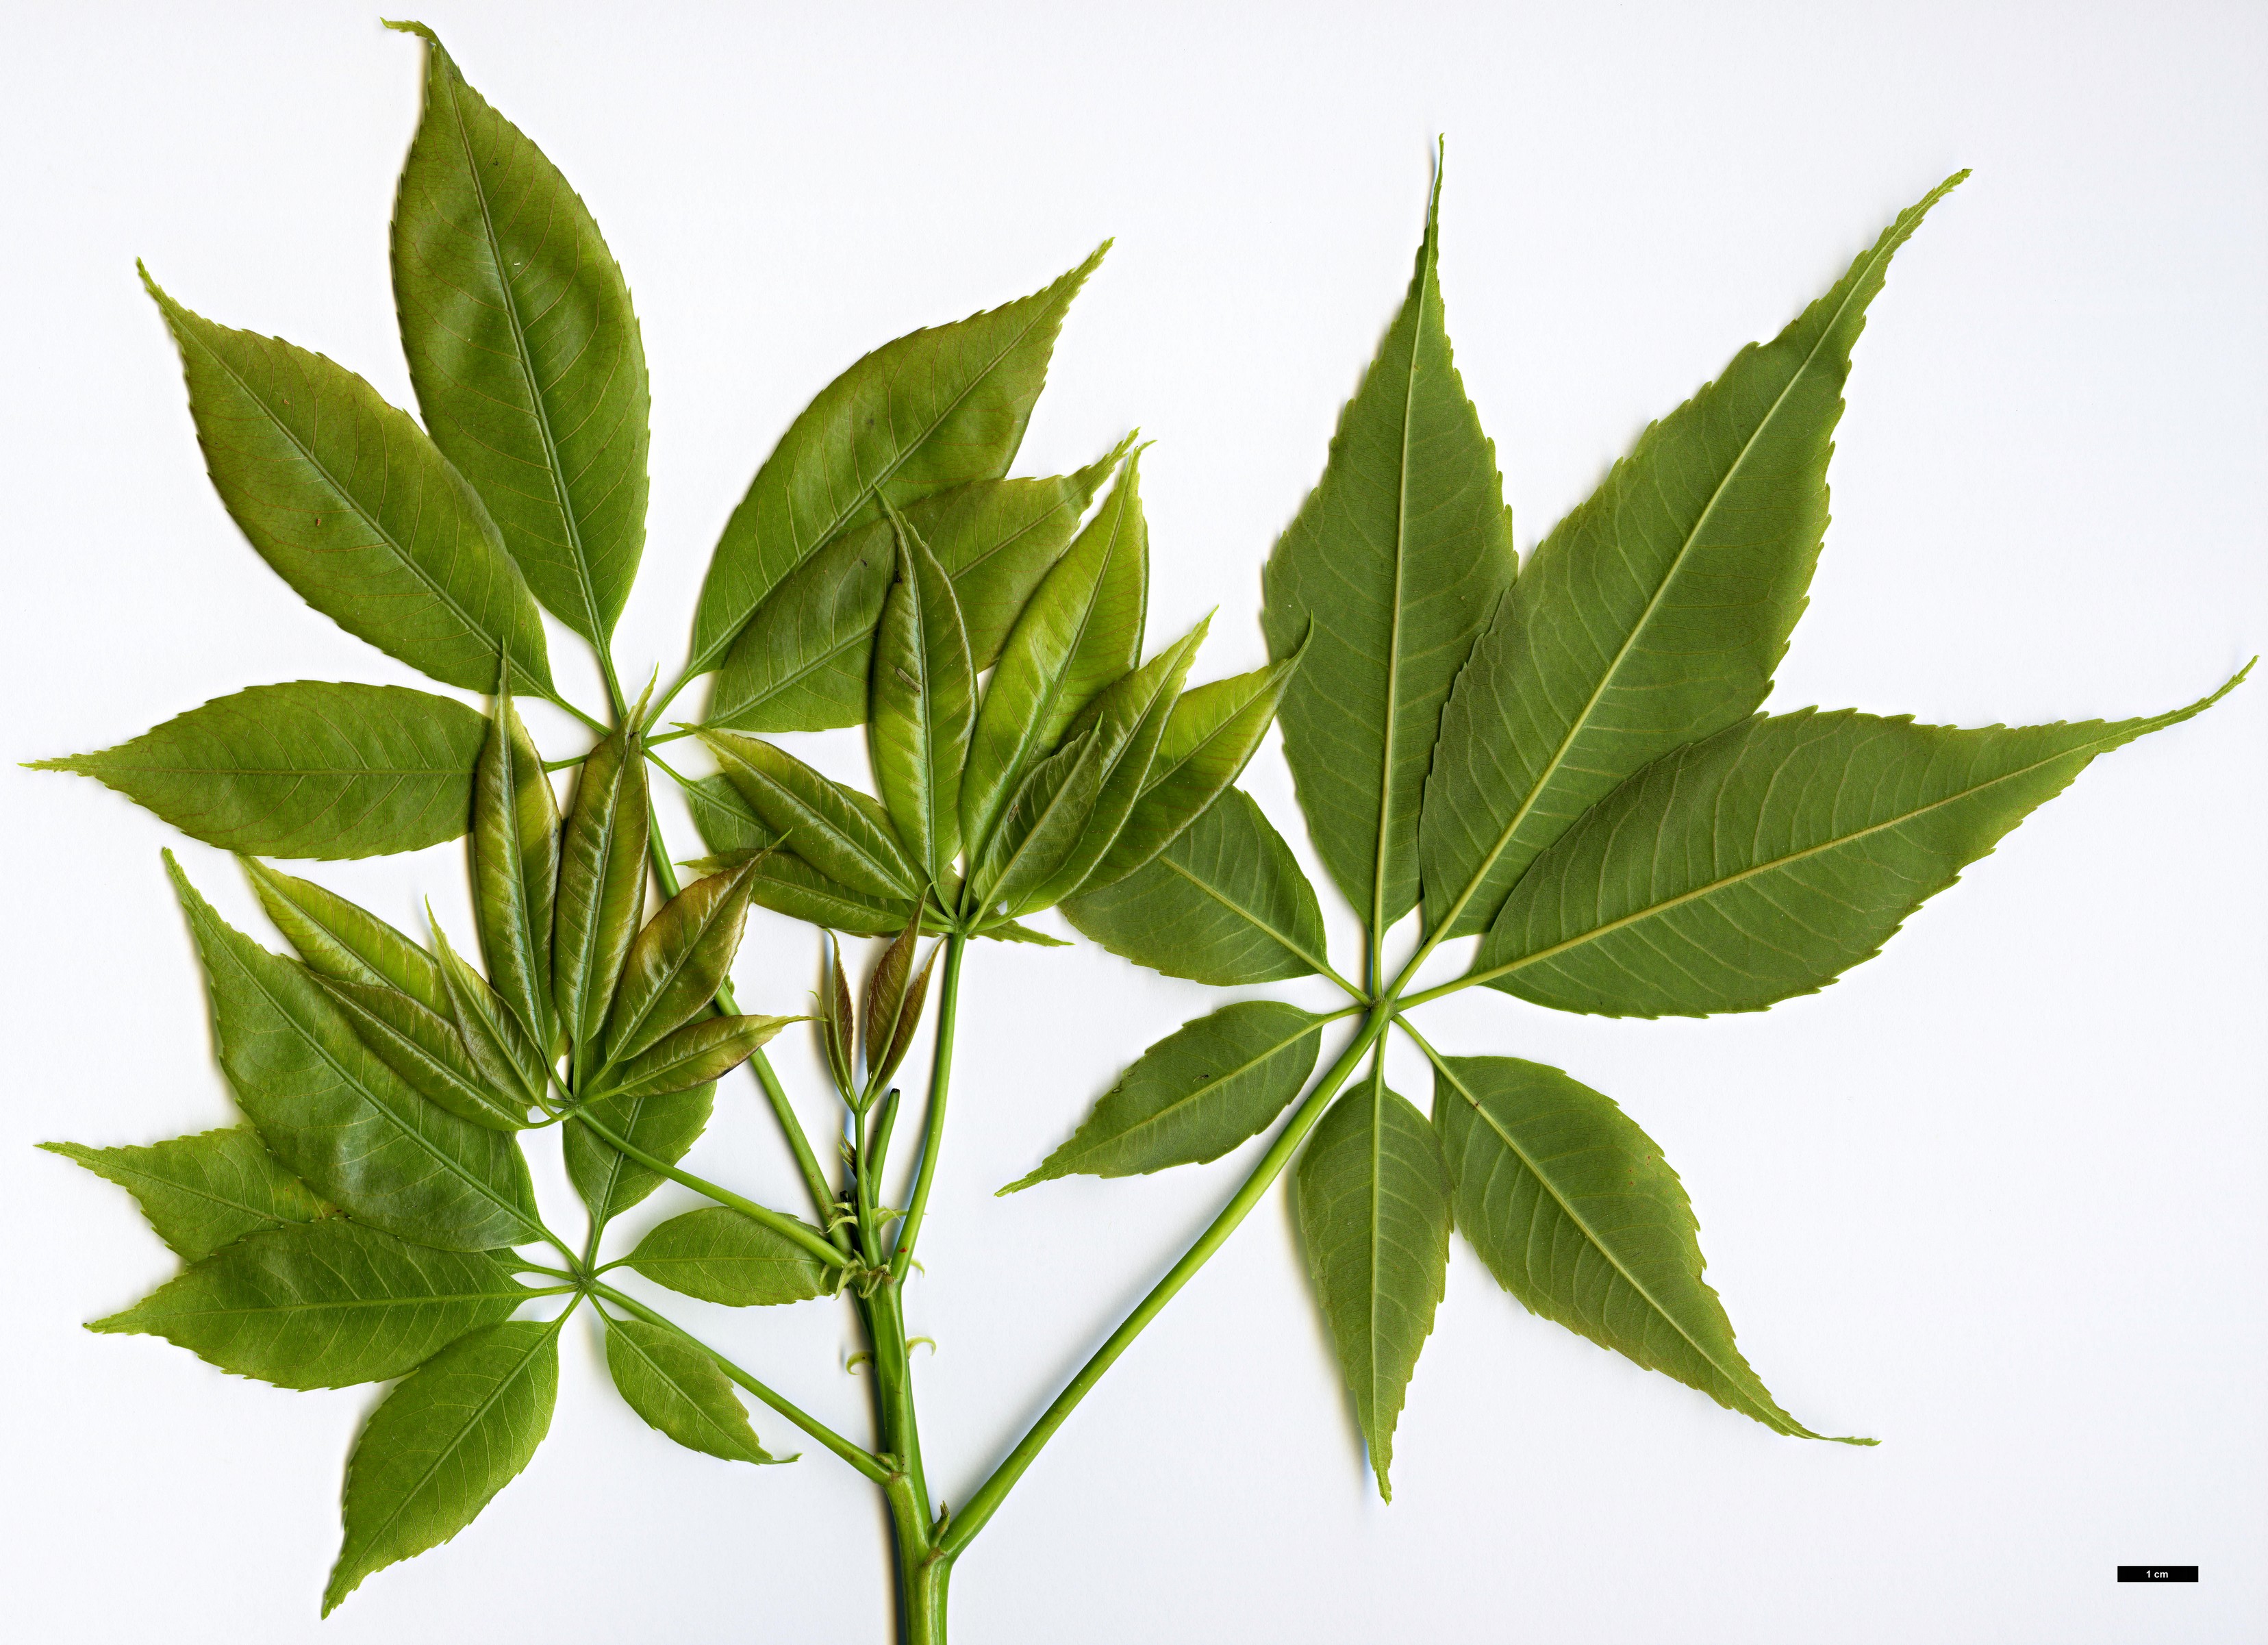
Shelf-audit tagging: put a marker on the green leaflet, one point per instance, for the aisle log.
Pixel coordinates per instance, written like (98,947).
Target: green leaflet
(355,508)
(724,820)
(523,348)
(1387,576)
(202,1191)
(442,1444)
(665,1126)
(601,889)
(337,939)
(1655,613)
(699,1053)
(924,699)
(1766,860)
(1195,1095)
(339,1119)
(1038,832)
(326,1304)
(1224,904)
(507,1059)
(893,1005)
(305,770)
(720,1255)
(934,409)
(515,848)
(787,885)
(1081,630)
(677,964)
(804,660)
(1210,736)
(1372,1196)
(1576,1213)
(428,1054)
(680,1391)
(838,831)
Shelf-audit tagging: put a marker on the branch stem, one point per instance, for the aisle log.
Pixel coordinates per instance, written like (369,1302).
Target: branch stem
(779,1222)
(940,1074)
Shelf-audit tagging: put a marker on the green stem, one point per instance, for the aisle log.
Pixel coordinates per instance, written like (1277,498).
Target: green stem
(1451,987)
(857,1456)
(785,1226)
(940,1074)
(989,1495)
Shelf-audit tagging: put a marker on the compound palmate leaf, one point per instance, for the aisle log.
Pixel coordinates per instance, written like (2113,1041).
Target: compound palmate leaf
(1387,576)
(1374,1208)
(324,1305)
(523,348)
(355,508)
(311,768)
(1766,860)
(337,1117)
(1576,1213)
(444,1442)
(202,1191)
(1655,612)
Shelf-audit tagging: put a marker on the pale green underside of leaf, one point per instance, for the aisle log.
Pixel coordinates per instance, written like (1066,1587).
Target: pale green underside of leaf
(1576,1213)
(1388,574)
(664,1126)
(355,508)
(310,769)
(1655,612)
(1373,1198)
(442,1444)
(1765,861)
(719,1255)
(1225,903)
(202,1192)
(935,409)
(337,1117)
(1195,1095)
(680,1391)
(523,348)
(324,1305)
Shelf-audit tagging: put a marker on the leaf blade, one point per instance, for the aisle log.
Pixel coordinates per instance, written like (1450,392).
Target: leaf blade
(923,702)
(719,1255)
(203,1191)
(679,1391)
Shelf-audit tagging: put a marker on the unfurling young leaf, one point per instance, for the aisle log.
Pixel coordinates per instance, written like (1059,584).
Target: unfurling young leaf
(507,1059)
(1385,578)
(924,699)
(428,1054)
(935,409)
(340,1120)
(699,1053)
(355,508)
(676,965)
(1654,613)
(724,821)
(1373,1206)
(1576,1213)
(894,993)
(601,900)
(305,770)
(515,843)
(1195,1095)
(839,831)
(203,1191)
(838,1028)
(335,938)
(523,348)
(720,1255)
(680,1391)
(442,1444)
(327,1304)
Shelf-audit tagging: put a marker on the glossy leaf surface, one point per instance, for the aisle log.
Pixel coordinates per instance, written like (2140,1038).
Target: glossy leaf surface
(839,831)
(1576,1213)
(720,1255)
(1655,613)
(923,701)
(339,1119)
(201,1193)
(601,899)
(680,1391)
(677,963)
(355,508)
(935,409)
(1374,1208)
(442,1444)
(1386,577)
(326,1304)
(699,1053)
(305,770)
(507,1059)
(1195,1095)
(523,348)
(336,937)
(515,848)
(1225,903)
(664,1126)
(1768,859)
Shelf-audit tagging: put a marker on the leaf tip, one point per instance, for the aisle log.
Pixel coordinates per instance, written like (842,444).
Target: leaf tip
(404,26)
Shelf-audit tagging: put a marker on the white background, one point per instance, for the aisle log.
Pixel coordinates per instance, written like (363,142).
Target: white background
(1996,1197)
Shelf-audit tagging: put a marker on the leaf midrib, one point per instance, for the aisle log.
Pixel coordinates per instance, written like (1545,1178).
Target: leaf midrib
(1159,1117)
(1290,945)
